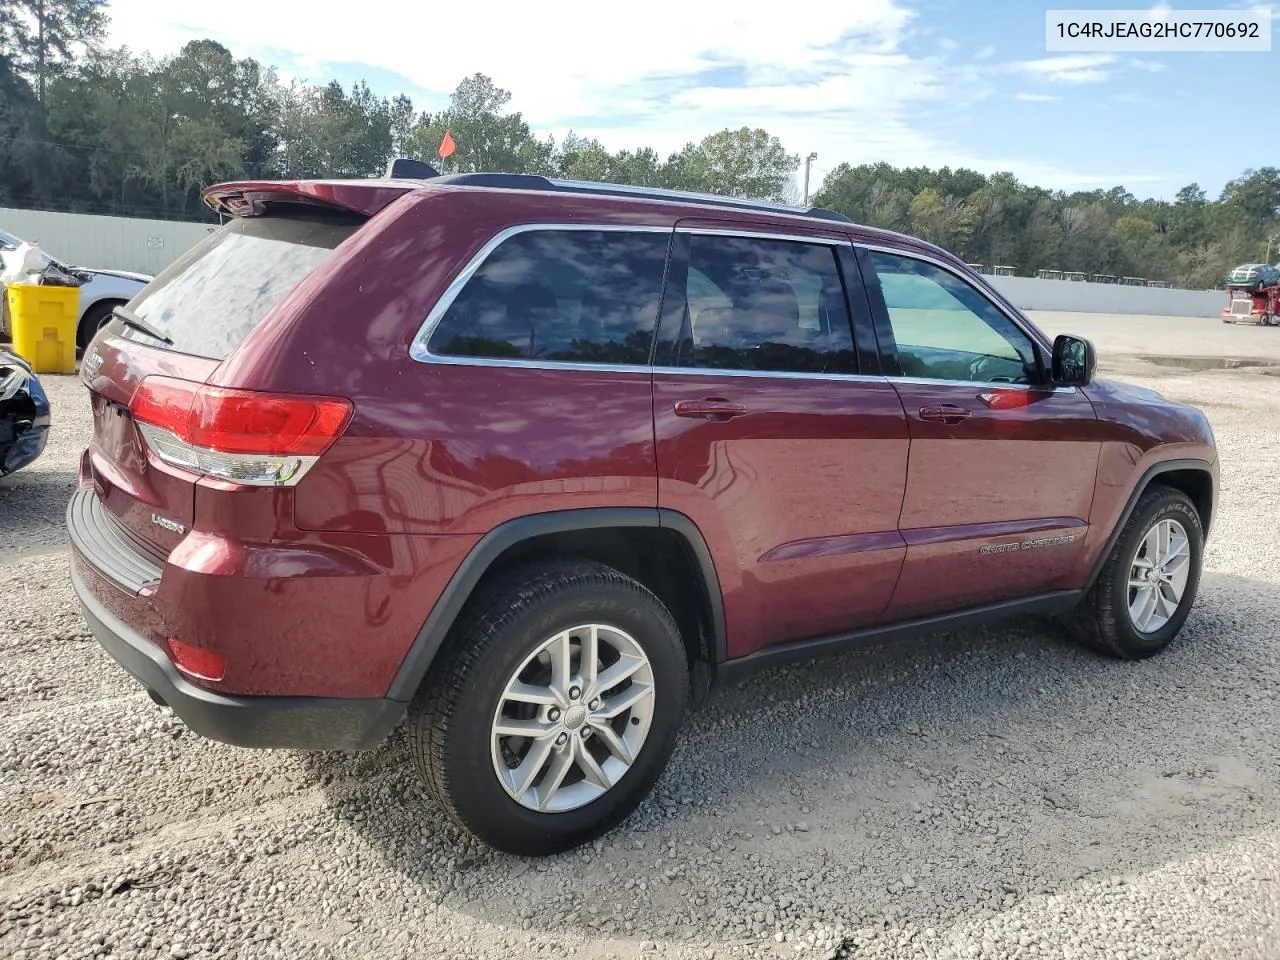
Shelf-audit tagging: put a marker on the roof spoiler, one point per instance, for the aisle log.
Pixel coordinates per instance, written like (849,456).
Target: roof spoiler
(406,168)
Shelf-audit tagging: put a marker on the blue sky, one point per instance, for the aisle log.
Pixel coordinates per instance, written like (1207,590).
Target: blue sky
(910,82)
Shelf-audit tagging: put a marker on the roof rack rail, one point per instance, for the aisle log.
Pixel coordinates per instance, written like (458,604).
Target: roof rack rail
(407,169)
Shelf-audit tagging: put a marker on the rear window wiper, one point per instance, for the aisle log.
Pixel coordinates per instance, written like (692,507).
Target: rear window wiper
(129,318)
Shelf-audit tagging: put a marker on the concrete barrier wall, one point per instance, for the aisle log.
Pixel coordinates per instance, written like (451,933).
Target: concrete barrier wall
(119,243)
(1032,293)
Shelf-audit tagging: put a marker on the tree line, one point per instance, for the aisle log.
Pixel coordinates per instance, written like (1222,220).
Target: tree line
(88,128)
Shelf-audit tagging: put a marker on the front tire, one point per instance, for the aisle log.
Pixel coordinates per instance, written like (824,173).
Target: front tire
(553,708)
(1147,585)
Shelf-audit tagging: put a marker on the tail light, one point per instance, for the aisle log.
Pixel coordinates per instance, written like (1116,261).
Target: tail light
(242,436)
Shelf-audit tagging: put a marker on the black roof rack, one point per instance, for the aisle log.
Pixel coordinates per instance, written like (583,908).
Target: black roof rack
(416,170)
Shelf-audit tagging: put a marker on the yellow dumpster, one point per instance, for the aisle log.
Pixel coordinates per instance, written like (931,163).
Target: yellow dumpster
(42,322)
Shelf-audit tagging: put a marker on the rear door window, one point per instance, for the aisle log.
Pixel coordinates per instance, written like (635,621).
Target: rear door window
(563,296)
(759,304)
(213,296)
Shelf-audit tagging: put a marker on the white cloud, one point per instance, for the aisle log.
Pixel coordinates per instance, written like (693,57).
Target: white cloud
(575,68)
(1036,97)
(946,43)
(553,63)
(1074,68)
(986,52)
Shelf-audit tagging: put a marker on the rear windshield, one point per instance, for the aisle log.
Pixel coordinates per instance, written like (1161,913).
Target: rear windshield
(212,297)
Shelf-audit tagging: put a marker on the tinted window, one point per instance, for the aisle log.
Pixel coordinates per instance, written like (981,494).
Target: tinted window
(572,296)
(208,300)
(766,305)
(947,330)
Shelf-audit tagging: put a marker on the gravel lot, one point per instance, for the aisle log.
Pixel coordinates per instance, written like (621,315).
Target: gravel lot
(996,793)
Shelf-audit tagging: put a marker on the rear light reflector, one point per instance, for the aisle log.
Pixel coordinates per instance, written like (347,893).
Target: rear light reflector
(242,436)
(196,662)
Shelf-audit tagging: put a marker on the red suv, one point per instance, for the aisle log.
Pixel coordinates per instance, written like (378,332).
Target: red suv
(533,464)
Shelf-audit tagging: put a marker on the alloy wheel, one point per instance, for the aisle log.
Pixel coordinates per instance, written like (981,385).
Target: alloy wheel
(1158,575)
(573,718)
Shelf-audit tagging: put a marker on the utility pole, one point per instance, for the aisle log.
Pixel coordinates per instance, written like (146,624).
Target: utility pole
(808,162)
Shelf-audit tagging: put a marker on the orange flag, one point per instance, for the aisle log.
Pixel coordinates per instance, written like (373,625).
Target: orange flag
(447,146)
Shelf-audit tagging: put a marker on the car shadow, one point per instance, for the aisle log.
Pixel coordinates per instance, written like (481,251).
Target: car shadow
(1006,763)
(33,504)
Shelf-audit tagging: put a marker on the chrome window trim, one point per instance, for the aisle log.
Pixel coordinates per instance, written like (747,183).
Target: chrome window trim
(988,384)
(533,364)
(776,375)
(1036,336)
(418,347)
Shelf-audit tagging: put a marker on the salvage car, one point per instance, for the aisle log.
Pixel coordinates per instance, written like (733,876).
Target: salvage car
(1254,276)
(24,414)
(101,291)
(532,465)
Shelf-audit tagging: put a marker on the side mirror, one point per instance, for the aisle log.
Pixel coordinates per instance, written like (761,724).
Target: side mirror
(1074,361)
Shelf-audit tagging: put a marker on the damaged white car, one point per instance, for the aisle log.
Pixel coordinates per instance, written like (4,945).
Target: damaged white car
(100,291)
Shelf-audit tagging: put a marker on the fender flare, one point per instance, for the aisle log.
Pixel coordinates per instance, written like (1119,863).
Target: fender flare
(497,541)
(1144,481)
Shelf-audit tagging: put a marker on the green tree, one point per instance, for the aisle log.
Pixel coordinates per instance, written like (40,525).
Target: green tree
(1188,218)
(487,139)
(113,131)
(735,163)
(1251,202)
(42,37)
(942,220)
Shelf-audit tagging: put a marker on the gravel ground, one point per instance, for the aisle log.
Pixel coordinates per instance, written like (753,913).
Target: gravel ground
(994,794)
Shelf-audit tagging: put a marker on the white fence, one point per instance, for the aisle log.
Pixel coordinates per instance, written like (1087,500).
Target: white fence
(119,243)
(1032,293)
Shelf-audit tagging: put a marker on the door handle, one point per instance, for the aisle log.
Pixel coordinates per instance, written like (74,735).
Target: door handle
(945,413)
(713,408)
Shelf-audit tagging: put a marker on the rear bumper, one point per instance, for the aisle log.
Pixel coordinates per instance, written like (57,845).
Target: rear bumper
(300,723)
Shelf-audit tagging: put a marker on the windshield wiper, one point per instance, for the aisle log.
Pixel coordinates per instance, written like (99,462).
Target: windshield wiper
(133,320)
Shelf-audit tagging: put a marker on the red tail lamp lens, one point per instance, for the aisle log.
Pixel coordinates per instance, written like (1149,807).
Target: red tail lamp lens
(237,421)
(241,421)
(197,662)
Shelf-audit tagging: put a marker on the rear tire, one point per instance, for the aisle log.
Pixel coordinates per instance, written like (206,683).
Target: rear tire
(1137,579)
(490,676)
